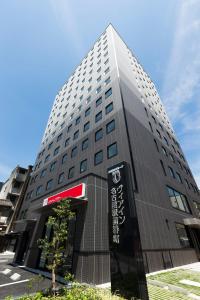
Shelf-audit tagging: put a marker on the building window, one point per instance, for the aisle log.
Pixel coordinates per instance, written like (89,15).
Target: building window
(112,150)
(108,93)
(163,167)
(43,173)
(61,177)
(98,101)
(52,167)
(78,120)
(110,126)
(76,134)
(146,111)
(39,190)
(166,141)
(164,151)
(59,137)
(50,145)
(74,151)
(98,90)
(180,165)
(107,81)
(171,157)
(98,134)
(69,128)
(71,172)
(87,112)
(64,158)
(174,148)
(56,151)
(178,200)
(98,157)
(156,144)
(85,144)
(62,125)
(86,126)
(109,108)
(98,116)
(83,166)
(67,142)
(107,70)
(187,183)
(158,133)
(151,127)
(99,78)
(178,177)
(49,184)
(171,172)
(88,99)
(182,235)
(47,158)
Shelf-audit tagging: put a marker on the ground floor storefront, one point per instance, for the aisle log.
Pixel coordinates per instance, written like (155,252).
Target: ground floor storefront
(87,252)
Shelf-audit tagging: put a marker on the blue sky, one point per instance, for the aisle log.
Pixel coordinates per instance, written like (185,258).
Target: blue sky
(43,41)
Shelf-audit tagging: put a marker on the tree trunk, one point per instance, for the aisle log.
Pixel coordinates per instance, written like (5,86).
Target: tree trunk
(53,280)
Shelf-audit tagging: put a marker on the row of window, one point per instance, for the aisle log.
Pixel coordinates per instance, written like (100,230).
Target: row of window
(53,113)
(165,139)
(98,102)
(110,126)
(86,127)
(177,176)
(98,117)
(112,151)
(99,68)
(98,90)
(88,60)
(164,151)
(81,97)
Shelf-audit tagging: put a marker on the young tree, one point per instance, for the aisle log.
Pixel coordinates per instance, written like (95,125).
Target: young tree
(53,248)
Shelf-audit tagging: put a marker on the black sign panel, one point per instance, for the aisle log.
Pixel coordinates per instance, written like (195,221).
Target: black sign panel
(127,269)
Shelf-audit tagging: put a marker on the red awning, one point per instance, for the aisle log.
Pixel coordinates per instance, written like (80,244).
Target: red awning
(76,192)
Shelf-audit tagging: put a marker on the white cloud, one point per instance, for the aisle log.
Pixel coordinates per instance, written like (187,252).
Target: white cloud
(181,88)
(66,20)
(182,81)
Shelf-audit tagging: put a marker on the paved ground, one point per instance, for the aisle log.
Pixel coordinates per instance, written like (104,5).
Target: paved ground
(16,281)
(178,283)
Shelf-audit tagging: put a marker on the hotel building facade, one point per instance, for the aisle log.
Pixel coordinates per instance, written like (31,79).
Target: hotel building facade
(109,112)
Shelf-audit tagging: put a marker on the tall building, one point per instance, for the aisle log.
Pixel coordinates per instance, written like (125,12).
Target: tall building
(107,112)
(11,196)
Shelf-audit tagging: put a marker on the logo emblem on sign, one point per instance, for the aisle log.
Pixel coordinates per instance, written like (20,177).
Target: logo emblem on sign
(116,176)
